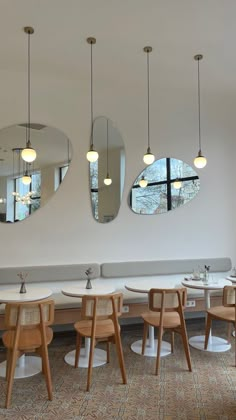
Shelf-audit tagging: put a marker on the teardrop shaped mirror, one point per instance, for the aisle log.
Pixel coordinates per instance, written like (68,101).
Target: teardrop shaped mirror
(24,186)
(107,174)
(164,185)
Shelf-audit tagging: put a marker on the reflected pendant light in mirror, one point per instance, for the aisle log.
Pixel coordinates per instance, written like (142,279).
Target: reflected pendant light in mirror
(27,187)
(148,158)
(92,154)
(107,181)
(28,154)
(106,200)
(171,184)
(200,160)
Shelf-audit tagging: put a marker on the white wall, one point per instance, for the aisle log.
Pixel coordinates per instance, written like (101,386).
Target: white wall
(64,231)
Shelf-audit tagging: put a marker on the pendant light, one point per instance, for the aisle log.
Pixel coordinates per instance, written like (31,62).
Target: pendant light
(177,184)
(28,154)
(26,178)
(92,155)
(107,180)
(143,182)
(148,158)
(200,160)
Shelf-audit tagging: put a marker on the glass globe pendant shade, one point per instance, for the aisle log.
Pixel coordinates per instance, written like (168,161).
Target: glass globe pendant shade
(200,161)
(26,179)
(107,180)
(92,155)
(143,182)
(148,158)
(177,184)
(28,154)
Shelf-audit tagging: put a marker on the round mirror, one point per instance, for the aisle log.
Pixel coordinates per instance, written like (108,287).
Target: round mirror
(163,186)
(107,174)
(25,187)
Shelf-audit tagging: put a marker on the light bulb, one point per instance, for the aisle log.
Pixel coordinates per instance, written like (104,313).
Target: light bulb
(148,158)
(177,184)
(28,154)
(107,180)
(143,182)
(200,161)
(26,179)
(92,155)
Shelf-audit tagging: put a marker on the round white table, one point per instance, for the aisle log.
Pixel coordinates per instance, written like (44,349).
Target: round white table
(215,344)
(99,354)
(151,347)
(26,365)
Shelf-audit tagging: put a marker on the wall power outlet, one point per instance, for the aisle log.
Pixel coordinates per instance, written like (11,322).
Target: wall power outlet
(191,303)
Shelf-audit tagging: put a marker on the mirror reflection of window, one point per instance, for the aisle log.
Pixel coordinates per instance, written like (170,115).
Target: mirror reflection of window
(106,197)
(17,200)
(170,183)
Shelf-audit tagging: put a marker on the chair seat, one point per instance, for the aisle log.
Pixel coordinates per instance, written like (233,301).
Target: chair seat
(30,338)
(223,313)
(104,328)
(170,320)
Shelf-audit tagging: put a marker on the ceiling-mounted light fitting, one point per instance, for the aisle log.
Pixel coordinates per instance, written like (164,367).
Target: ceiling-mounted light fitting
(148,158)
(107,180)
(143,182)
(177,184)
(200,161)
(92,155)
(28,154)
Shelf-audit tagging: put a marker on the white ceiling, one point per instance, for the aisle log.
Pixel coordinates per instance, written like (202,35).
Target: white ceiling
(176,29)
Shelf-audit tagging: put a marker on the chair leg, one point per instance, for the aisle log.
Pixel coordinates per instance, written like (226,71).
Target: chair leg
(160,334)
(8,363)
(208,328)
(78,347)
(108,352)
(186,346)
(229,332)
(120,357)
(172,341)
(46,369)
(145,331)
(11,377)
(90,366)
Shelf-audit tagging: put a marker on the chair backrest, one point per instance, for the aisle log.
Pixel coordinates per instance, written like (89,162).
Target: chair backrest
(102,306)
(229,296)
(167,299)
(29,314)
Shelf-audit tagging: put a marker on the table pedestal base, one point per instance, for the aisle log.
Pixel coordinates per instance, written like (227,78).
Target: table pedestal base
(151,351)
(215,344)
(99,358)
(26,366)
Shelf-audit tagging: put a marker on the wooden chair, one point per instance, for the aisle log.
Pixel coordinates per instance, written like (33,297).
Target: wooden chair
(225,312)
(100,323)
(166,313)
(28,331)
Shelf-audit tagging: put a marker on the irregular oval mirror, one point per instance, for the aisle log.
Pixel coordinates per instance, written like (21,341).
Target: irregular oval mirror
(25,187)
(107,174)
(165,185)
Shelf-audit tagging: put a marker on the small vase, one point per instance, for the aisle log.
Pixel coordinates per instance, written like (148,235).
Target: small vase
(22,287)
(89,284)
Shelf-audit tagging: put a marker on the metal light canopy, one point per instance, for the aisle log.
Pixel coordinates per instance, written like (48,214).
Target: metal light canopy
(28,154)
(200,161)
(92,154)
(148,158)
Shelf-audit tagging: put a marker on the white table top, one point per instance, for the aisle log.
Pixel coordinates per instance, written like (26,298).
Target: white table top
(134,286)
(32,294)
(198,284)
(79,291)
(231,278)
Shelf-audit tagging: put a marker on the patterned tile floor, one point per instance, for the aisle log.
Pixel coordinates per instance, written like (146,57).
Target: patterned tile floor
(208,393)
